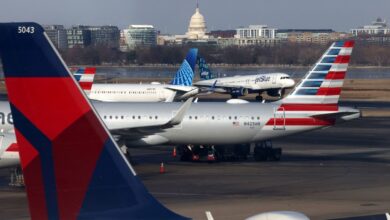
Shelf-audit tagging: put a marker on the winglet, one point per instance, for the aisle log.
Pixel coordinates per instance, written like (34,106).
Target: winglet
(179,116)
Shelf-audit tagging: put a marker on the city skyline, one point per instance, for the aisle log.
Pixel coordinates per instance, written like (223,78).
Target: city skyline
(172,16)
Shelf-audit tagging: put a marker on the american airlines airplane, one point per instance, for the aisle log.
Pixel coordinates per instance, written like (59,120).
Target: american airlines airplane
(97,182)
(179,89)
(274,84)
(312,105)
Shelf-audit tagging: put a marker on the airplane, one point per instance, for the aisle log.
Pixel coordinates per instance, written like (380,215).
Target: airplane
(180,87)
(216,127)
(97,182)
(274,84)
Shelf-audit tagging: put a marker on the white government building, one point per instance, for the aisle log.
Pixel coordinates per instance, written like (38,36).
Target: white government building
(378,26)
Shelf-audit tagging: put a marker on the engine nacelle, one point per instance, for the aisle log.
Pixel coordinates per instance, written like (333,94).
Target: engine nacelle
(275,92)
(239,92)
(279,215)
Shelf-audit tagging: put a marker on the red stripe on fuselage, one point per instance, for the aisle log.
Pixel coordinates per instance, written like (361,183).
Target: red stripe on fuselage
(342,59)
(300,122)
(335,75)
(328,91)
(60,107)
(308,107)
(33,178)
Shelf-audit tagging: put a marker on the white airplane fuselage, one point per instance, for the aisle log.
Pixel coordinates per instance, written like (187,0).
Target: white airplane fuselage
(139,92)
(206,123)
(254,83)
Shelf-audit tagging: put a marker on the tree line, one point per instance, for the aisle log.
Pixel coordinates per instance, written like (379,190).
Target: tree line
(282,54)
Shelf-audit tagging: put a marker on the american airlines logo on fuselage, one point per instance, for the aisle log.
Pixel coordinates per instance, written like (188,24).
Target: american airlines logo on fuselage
(262,79)
(6,118)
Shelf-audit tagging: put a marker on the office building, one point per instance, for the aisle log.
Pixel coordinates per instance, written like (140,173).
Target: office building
(140,35)
(57,35)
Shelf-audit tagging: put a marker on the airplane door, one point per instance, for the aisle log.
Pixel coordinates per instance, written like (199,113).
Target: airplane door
(279,119)
(274,79)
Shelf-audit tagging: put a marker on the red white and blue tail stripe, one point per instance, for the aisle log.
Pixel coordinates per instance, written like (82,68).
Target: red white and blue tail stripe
(85,77)
(72,167)
(323,83)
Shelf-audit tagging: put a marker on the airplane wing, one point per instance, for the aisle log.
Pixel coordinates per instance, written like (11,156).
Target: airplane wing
(182,92)
(151,128)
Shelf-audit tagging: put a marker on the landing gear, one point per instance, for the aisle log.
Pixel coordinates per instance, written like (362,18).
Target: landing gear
(259,98)
(198,153)
(264,151)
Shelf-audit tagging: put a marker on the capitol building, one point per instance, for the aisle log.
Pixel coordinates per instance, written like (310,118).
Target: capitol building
(197,27)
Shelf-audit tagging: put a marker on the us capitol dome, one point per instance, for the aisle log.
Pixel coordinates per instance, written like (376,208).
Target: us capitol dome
(197,28)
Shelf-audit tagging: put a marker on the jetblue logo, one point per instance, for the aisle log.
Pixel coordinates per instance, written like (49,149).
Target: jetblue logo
(6,118)
(262,79)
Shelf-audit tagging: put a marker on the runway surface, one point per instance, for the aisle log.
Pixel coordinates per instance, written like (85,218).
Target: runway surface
(336,172)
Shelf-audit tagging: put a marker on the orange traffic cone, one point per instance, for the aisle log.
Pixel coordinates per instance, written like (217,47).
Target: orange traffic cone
(174,153)
(162,169)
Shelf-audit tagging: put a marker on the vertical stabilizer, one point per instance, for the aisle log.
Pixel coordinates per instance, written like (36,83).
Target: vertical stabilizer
(204,70)
(85,77)
(323,83)
(185,74)
(72,167)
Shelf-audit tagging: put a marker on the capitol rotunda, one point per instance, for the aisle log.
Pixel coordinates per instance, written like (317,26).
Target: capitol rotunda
(197,28)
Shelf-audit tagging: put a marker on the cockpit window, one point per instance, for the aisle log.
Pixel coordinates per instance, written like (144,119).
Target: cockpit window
(285,77)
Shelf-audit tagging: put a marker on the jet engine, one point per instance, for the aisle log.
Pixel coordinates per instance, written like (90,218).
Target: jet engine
(276,92)
(239,92)
(279,215)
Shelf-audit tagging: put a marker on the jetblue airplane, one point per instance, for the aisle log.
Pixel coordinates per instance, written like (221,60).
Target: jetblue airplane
(180,87)
(97,182)
(274,84)
(312,105)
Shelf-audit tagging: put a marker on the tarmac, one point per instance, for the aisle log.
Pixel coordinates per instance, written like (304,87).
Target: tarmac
(336,172)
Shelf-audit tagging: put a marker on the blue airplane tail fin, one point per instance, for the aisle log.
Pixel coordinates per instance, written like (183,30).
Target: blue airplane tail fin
(185,74)
(72,167)
(204,70)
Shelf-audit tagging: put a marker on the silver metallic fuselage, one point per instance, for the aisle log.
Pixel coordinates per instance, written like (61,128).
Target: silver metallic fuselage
(204,123)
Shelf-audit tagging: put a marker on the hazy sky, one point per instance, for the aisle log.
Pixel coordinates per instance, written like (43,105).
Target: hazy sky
(173,15)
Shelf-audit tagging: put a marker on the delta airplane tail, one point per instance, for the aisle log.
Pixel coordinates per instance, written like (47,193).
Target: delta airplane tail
(53,120)
(322,85)
(185,74)
(85,77)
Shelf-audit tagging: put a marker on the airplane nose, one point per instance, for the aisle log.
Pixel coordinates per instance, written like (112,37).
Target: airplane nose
(290,83)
